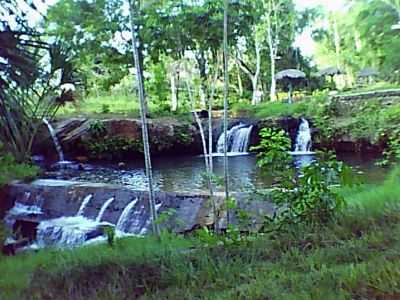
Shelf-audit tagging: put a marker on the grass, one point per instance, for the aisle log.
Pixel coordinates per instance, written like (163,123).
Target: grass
(115,105)
(355,257)
(10,170)
(106,104)
(306,107)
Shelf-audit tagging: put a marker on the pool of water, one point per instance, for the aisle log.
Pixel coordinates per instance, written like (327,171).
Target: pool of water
(187,173)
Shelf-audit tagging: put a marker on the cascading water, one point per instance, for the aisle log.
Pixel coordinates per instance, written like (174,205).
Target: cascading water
(104,208)
(84,203)
(238,138)
(124,218)
(303,139)
(66,231)
(146,226)
(55,140)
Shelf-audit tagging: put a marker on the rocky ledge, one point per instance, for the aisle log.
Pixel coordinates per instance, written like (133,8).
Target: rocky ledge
(120,139)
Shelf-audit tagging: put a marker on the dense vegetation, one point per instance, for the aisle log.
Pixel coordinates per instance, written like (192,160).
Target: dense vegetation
(324,241)
(354,256)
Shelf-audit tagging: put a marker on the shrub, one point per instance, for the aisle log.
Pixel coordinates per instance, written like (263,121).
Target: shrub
(306,195)
(309,197)
(273,149)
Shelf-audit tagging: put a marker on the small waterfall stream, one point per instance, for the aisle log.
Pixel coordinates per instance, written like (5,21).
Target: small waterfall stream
(124,218)
(84,203)
(238,138)
(303,139)
(104,208)
(55,140)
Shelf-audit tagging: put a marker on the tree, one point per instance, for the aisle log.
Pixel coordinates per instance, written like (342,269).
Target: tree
(279,15)
(29,92)
(258,37)
(90,29)
(395,4)
(365,37)
(133,11)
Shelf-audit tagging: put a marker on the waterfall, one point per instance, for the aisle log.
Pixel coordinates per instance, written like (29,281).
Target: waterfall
(55,140)
(124,218)
(84,203)
(146,226)
(66,231)
(238,138)
(303,139)
(104,208)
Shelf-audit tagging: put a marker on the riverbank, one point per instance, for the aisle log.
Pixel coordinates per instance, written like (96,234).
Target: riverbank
(363,122)
(355,257)
(340,123)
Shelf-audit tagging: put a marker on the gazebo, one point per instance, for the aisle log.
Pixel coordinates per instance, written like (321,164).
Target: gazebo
(290,77)
(367,73)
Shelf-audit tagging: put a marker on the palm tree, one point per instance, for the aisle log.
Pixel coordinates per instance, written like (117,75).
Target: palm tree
(142,101)
(28,92)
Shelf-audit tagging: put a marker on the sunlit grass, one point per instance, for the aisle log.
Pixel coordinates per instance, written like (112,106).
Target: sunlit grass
(124,104)
(357,256)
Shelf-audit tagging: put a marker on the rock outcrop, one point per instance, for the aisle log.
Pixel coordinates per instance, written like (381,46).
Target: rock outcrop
(120,139)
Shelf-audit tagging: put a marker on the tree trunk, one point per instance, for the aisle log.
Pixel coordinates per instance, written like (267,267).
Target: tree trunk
(272,93)
(207,156)
(174,95)
(226,94)
(255,99)
(273,48)
(202,64)
(256,93)
(240,84)
(145,134)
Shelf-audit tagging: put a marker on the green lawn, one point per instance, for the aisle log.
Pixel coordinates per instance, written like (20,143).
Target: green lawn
(116,106)
(120,104)
(355,257)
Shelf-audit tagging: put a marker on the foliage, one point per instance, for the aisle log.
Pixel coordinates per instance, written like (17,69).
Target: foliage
(97,129)
(113,147)
(305,196)
(392,152)
(371,42)
(165,216)
(309,197)
(273,149)
(29,91)
(311,106)
(110,233)
(11,170)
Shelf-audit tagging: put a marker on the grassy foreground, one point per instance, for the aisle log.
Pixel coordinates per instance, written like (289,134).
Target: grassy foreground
(355,257)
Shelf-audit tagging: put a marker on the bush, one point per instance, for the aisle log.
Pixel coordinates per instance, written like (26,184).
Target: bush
(309,197)
(306,195)
(273,149)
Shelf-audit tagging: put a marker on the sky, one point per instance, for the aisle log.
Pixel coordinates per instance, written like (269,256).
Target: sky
(305,41)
